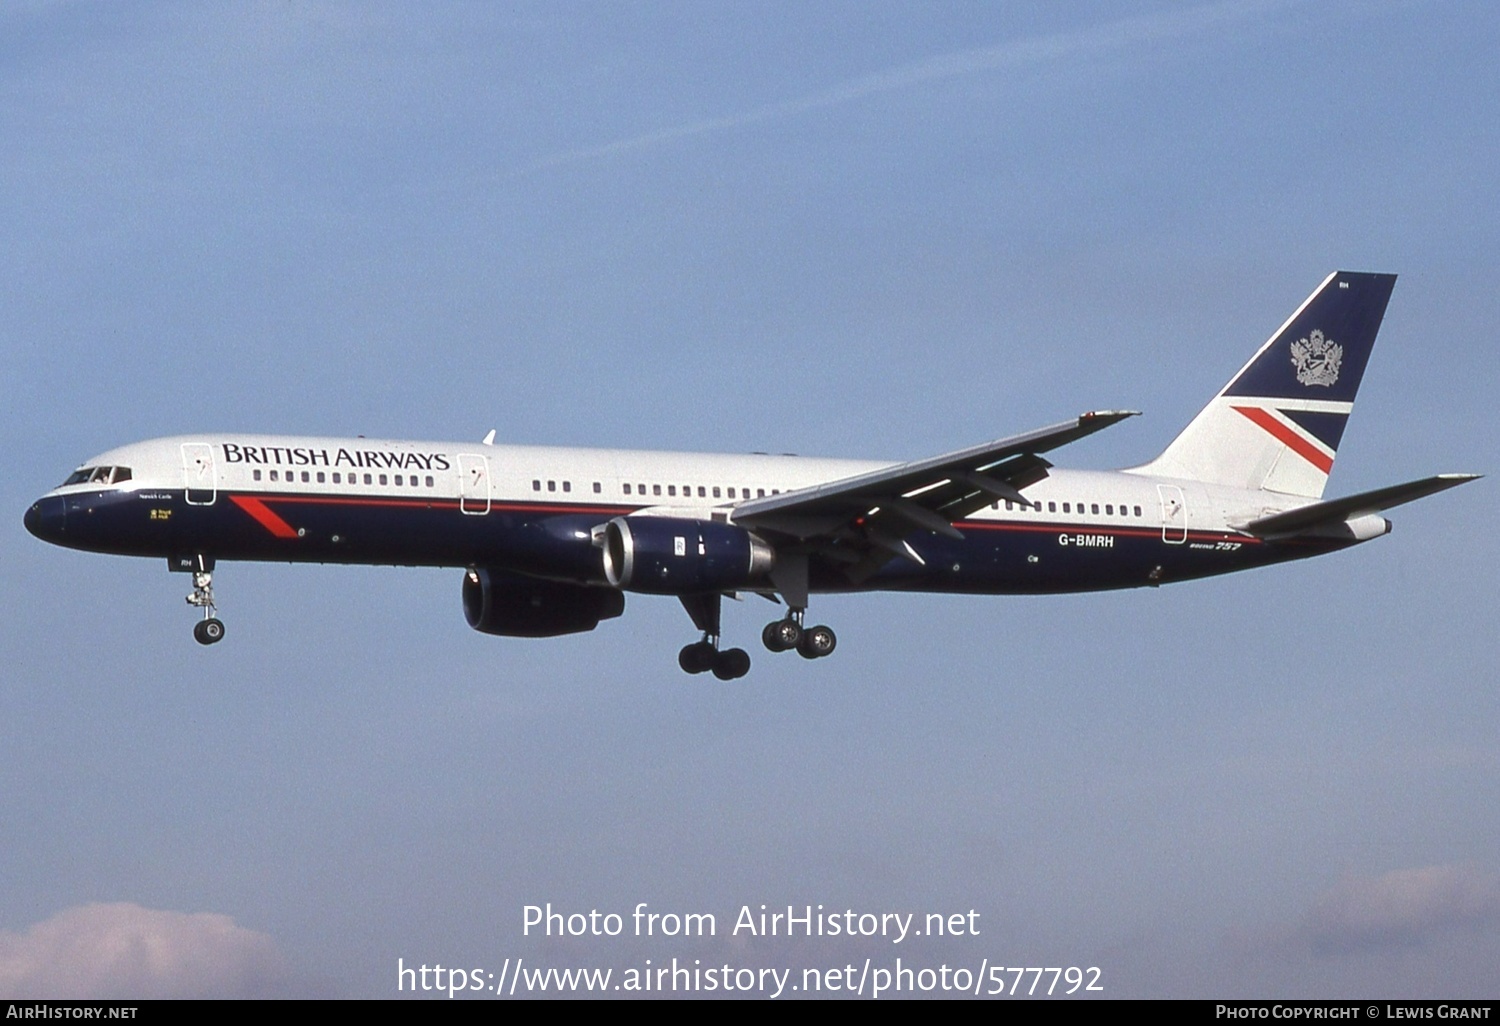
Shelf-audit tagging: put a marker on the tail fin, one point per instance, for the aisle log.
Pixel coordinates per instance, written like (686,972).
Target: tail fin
(1277,424)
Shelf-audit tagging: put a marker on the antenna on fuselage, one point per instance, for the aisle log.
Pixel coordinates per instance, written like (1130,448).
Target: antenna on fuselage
(489,439)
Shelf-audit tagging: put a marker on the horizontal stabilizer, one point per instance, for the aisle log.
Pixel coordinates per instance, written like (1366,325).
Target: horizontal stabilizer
(1338,511)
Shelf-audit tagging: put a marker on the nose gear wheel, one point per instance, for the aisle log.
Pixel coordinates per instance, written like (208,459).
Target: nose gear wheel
(209,630)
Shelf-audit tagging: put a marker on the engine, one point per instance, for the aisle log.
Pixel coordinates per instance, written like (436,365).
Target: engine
(666,556)
(497,602)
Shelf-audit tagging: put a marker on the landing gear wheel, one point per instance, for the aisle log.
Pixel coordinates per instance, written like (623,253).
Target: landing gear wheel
(817,642)
(781,635)
(209,632)
(732,664)
(699,657)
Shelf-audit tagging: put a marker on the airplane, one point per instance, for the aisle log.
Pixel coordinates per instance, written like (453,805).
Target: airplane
(551,539)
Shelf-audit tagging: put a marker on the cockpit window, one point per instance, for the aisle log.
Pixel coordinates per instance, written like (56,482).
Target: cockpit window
(98,475)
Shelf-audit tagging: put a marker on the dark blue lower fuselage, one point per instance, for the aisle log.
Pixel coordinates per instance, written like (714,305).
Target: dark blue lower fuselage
(554,541)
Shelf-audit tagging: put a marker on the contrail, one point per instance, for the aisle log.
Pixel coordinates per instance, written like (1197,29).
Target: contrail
(1020,53)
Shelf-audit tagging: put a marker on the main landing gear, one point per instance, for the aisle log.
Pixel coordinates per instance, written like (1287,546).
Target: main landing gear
(730,664)
(787,634)
(704,656)
(209,630)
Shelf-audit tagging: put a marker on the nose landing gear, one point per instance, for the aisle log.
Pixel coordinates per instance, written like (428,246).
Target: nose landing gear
(209,630)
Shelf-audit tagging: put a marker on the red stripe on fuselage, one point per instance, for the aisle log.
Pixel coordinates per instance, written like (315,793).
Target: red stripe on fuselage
(500,505)
(263,516)
(1118,532)
(1285,435)
(268,519)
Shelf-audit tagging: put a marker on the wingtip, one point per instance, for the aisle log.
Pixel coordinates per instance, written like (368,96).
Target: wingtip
(1109,414)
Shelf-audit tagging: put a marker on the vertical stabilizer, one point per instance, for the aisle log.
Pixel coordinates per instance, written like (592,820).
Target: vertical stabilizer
(1277,424)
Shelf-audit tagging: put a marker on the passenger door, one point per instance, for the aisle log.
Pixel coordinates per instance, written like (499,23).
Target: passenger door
(200,478)
(473,483)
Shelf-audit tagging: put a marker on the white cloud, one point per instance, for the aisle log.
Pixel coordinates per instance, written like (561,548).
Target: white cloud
(126,951)
(1403,908)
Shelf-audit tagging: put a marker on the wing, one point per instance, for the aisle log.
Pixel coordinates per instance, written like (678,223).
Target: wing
(862,521)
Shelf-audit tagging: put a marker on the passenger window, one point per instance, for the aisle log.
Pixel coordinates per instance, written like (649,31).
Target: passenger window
(1138,511)
(1094,508)
(656,489)
(1066,509)
(367,479)
(429,480)
(274,476)
(255,474)
(382,479)
(320,477)
(567,486)
(536,485)
(335,477)
(671,490)
(597,487)
(1109,510)
(716,491)
(1051,507)
(551,486)
(760,493)
(731,493)
(627,489)
(702,492)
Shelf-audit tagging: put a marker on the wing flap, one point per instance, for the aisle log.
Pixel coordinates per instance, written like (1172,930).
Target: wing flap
(917,495)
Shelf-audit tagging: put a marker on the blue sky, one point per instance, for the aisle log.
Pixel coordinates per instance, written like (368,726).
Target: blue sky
(870,230)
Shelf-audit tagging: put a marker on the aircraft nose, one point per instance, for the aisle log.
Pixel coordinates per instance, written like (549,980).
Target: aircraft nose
(46,518)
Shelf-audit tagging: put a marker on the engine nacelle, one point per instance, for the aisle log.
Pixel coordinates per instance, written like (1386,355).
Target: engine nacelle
(667,556)
(497,602)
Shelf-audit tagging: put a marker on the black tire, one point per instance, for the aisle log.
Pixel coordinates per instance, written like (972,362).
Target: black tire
(209,632)
(817,642)
(732,665)
(698,657)
(781,635)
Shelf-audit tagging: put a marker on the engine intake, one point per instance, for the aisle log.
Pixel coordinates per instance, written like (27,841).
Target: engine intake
(667,556)
(513,605)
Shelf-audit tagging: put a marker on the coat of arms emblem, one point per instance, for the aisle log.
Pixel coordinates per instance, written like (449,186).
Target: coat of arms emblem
(1317,359)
